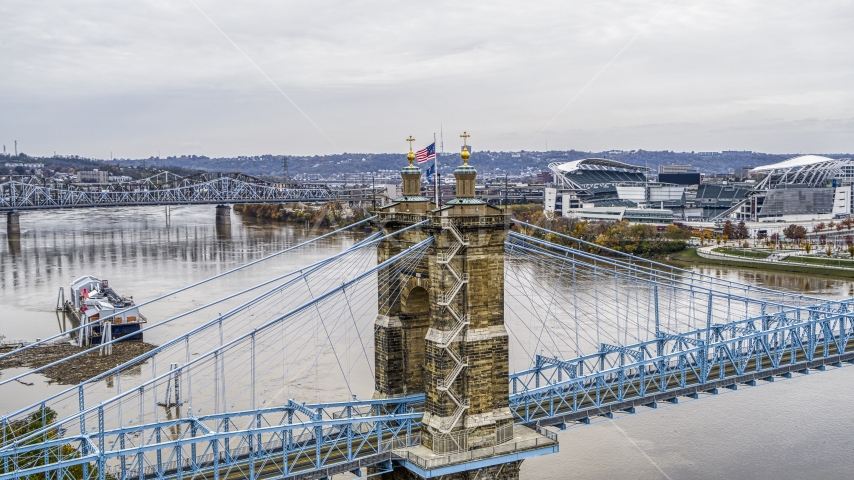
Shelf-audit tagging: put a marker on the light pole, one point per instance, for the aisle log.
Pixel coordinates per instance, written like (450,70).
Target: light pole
(505,191)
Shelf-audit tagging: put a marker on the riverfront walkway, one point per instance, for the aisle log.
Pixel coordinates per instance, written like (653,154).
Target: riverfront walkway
(709,252)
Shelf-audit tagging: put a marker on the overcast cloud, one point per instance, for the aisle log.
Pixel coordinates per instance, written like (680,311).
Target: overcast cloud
(142,77)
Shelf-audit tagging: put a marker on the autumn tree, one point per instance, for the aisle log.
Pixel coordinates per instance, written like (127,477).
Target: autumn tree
(775,238)
(673,232)
(795,232)
(741,230)
(728,231)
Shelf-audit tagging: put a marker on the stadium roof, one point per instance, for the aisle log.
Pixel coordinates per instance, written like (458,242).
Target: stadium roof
(807,170)
(599,162)
(801,161)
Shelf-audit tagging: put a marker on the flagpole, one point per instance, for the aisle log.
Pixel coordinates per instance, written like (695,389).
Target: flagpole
(438,178)
(435,171)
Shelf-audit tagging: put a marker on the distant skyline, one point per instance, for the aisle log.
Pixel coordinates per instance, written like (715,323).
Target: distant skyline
(222,79)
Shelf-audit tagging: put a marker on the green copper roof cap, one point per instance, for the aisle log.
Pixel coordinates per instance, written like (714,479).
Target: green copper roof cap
(465,201)
(410,170)
(412,198)
(465,170)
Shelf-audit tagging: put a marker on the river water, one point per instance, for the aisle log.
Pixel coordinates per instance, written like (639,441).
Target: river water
(798,428)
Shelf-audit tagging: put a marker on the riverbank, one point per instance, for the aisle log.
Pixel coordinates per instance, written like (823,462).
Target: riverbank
(689,257)
(74,371)
(330,214)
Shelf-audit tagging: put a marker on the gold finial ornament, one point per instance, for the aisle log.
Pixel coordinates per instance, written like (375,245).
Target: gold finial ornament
(465,153)
(410,156)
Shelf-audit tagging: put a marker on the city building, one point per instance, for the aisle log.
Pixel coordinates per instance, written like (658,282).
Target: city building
(93,176)
(674,169)
(743,172)
(28,166)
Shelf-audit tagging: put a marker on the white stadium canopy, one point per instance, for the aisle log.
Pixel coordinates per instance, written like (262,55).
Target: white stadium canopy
(801,161)
(808,170)
(595,162)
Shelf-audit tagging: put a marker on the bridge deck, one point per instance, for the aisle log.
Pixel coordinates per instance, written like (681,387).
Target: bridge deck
(690,386)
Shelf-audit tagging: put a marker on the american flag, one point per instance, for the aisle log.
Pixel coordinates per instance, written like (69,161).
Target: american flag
(426,153)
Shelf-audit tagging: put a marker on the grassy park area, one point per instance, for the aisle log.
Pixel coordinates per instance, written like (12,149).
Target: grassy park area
(689,257)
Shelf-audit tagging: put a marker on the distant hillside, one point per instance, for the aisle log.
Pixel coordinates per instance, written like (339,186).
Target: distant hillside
(513,163)
(73,163)
(499,163)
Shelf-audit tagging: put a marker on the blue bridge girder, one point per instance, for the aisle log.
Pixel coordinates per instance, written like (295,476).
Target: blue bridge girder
(294,439)
(727,355)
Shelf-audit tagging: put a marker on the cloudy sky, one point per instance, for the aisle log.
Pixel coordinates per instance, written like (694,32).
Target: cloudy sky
(219,78)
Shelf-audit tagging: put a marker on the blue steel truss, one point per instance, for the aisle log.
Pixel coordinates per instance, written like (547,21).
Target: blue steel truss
(671,365)
(29,196)
(289,440)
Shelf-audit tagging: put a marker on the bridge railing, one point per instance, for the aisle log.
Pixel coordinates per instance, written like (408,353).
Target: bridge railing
(690,363)
(292,438)
(833,316)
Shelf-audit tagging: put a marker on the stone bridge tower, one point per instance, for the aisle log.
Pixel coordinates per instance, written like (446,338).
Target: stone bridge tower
(443,335)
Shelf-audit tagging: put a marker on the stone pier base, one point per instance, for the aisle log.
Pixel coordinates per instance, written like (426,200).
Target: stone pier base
(223,215)
(506,471)
(13,225)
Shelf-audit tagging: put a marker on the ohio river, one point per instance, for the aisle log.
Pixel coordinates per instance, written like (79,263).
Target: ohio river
(798,428)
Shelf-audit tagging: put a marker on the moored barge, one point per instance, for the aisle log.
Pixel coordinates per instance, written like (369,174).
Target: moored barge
(92,300)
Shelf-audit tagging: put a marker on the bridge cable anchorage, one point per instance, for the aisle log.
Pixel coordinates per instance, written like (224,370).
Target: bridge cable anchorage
(422,252)
(798,299)
(177,344)
(182,289)
(459,327)
(370,241)
(302,273)
(543,248)
(524,285)
(236,345)
(705,346)
(633,281)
